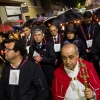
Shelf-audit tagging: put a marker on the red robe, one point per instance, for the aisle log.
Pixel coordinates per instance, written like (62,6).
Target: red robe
(61,81)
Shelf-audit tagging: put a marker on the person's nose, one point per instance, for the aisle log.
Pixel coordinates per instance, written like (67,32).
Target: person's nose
(68,60)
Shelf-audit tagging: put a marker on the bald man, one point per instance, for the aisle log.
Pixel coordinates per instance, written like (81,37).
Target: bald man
(56,39)
(75,79)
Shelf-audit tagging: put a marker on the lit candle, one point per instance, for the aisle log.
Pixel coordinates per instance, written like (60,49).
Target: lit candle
(99,23)
(97,20)
(67,23)
(74,21)
(78,21)
(2,52)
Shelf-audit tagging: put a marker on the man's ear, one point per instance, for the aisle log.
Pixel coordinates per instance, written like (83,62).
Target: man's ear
(57,29)
(17,53)
(78,55)
(43,35)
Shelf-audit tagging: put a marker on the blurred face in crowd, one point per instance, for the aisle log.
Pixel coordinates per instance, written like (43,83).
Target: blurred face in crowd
(94,17)
(69,56)
(27,31)
(88,20)
(53,30)
(70,35)
(10,54)
(38,36)
(11,36)
(98,17)
(48,24)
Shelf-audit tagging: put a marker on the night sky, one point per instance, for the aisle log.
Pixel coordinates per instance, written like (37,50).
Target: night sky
(69,3)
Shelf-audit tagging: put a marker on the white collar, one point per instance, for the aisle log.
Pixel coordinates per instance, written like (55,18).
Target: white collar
(40,43)
(16,66)
(56,36)
(29,36)
(75,89)
(72,73)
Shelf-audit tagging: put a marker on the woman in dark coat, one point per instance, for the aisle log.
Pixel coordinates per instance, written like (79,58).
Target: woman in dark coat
(71,37)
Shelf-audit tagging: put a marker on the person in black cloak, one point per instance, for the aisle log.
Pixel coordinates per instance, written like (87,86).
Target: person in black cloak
(71,37)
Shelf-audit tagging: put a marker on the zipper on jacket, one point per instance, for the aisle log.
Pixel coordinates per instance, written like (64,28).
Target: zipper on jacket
(12,93)
(41,84)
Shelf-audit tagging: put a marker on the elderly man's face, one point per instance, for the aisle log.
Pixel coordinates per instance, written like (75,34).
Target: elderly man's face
(53,31)
(69,57)
(38,37)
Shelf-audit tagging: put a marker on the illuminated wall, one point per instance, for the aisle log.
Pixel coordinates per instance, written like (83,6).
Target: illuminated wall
(33,10)
(88,2)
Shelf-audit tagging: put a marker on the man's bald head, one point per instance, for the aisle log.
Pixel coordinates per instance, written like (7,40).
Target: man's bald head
(68,46)
(70,55)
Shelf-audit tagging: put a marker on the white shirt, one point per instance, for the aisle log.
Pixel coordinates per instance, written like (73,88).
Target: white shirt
(40,44)
(28,38)
(55,37)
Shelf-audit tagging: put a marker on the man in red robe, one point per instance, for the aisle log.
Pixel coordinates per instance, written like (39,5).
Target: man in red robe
(75,79)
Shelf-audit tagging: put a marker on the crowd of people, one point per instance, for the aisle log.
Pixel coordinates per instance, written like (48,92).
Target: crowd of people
(43,63)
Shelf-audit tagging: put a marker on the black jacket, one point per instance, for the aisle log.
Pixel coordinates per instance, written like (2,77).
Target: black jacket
(59,41)
(48,55)
(95,51)
(32,84)
(27,43)
(93,31)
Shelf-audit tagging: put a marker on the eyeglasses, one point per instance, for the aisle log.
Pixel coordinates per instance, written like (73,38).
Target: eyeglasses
(8,49)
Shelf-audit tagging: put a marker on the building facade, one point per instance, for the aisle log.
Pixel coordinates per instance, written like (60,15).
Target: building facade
(10,9)
(34,7)
(88,2)
(26,9)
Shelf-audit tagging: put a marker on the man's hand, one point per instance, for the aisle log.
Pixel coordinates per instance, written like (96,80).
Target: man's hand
(99,63)
(88,93)
(38,58)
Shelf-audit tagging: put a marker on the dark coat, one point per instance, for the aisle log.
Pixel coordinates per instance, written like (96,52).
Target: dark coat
(48,55)
(59,41)
(25,41)
(30,41)
(32,84)
(93,31)
(95,51)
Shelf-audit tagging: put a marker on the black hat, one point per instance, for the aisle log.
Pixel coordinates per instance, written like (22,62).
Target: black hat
(70,28)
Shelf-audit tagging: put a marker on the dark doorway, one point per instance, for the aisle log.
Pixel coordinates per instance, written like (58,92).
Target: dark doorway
(27,18)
